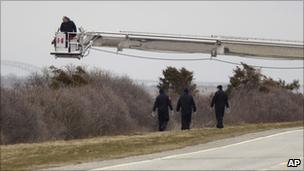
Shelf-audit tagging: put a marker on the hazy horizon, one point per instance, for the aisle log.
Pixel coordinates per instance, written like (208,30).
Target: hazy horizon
(27,29)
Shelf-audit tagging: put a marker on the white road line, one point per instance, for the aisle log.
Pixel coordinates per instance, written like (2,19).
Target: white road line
(196,152)
(275,166)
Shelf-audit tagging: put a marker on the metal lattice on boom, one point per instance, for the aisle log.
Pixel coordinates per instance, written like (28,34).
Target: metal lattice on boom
(67,46)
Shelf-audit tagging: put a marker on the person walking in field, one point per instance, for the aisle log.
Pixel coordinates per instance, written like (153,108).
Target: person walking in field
(162,103)
(187,105)
(219,102)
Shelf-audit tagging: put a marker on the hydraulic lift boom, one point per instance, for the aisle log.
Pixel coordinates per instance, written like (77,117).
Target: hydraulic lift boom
(78,46)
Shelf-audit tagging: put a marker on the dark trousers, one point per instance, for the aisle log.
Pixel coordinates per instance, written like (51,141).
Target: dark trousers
(68,37)
(186,120)
(162,124)
(219,113)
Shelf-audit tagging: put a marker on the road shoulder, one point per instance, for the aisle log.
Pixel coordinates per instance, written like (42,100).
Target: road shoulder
(189,149)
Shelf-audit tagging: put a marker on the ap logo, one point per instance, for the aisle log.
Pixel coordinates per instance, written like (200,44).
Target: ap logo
(293,163)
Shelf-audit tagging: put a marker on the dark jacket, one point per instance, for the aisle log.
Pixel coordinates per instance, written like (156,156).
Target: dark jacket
(187,104)
(220,100)
(68,26)
(162,103)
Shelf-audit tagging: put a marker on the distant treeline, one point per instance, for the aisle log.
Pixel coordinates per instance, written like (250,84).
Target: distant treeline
(73,102)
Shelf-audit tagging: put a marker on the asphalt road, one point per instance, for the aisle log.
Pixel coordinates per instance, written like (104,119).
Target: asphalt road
(268,150)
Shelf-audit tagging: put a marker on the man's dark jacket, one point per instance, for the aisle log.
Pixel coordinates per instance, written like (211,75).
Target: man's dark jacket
(187,104)
(68,26)
(220,100)
(162,103)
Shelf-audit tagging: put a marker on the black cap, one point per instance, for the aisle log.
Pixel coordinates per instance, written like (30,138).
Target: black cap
(186,90)
(161,90)
(220,87)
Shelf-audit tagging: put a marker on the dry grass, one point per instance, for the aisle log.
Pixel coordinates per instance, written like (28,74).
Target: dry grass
(56,153)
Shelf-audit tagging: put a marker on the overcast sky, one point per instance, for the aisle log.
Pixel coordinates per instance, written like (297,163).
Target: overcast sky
(27,29)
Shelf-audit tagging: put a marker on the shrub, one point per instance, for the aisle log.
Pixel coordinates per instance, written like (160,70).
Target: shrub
(73,103)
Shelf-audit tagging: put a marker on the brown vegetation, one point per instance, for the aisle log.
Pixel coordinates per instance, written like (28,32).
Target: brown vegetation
(68,104)
(72,103)
(256,98)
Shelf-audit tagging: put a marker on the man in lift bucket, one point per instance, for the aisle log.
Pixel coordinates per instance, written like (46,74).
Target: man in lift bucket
(67,26)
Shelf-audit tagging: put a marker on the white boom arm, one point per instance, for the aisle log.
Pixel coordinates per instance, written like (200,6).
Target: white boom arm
(214,45)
